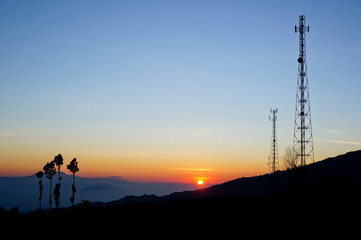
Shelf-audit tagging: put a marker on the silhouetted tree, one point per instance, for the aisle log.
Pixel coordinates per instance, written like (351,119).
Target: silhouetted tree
(289,159)
(50,170)
(296,172)
(73,167)
(58,160)
(39,175)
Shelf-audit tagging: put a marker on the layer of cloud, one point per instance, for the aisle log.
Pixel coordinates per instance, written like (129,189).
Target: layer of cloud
(201,132)
(333,131)
(338,141)
(193,169)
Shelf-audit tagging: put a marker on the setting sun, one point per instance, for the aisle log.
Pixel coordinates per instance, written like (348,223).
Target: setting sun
(200,182)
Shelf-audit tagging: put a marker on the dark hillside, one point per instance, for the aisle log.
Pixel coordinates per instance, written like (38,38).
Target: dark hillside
(318,199)
(328,176)
(347,165)
(343,169)
(207,216)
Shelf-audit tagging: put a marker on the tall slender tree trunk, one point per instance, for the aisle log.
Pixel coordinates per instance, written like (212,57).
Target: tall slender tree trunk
(51,187)
(59,177)
(40,192)
(73,188)
(57,190)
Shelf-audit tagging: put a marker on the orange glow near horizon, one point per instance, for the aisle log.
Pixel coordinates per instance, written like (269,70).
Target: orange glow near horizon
(142,170)
(177,167)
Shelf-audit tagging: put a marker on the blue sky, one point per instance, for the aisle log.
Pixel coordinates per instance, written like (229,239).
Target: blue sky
(173,83)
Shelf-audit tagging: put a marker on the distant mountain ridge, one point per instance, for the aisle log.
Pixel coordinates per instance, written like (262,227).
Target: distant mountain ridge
(23,192)
(99,186)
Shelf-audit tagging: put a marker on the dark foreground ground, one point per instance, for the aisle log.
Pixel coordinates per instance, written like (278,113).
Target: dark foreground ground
(324,208)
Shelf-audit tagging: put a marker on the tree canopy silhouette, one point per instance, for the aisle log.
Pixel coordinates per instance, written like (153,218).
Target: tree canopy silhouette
(50,170)
(59,161)
(73,167)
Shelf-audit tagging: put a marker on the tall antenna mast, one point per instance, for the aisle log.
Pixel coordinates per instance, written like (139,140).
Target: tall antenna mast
(273,157)
(302,138)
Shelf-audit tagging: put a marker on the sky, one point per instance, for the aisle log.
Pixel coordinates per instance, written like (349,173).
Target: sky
(172,91)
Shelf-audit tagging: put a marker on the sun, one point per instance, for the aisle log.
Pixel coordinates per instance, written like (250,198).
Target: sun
(200,182)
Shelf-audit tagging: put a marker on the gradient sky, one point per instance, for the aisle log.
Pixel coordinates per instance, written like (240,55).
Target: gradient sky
(172,90)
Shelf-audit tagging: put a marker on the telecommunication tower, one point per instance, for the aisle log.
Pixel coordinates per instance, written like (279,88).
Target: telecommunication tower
(273,157)
(302,138)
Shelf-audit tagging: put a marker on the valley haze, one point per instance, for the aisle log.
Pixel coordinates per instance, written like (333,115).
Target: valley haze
(23,192)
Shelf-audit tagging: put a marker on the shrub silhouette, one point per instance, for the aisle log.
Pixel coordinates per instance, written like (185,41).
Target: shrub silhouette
(73,167)
(49,170)
(39,175)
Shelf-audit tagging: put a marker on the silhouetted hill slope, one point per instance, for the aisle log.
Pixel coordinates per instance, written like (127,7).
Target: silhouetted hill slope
(347,165)
(316,201)
(342,171)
